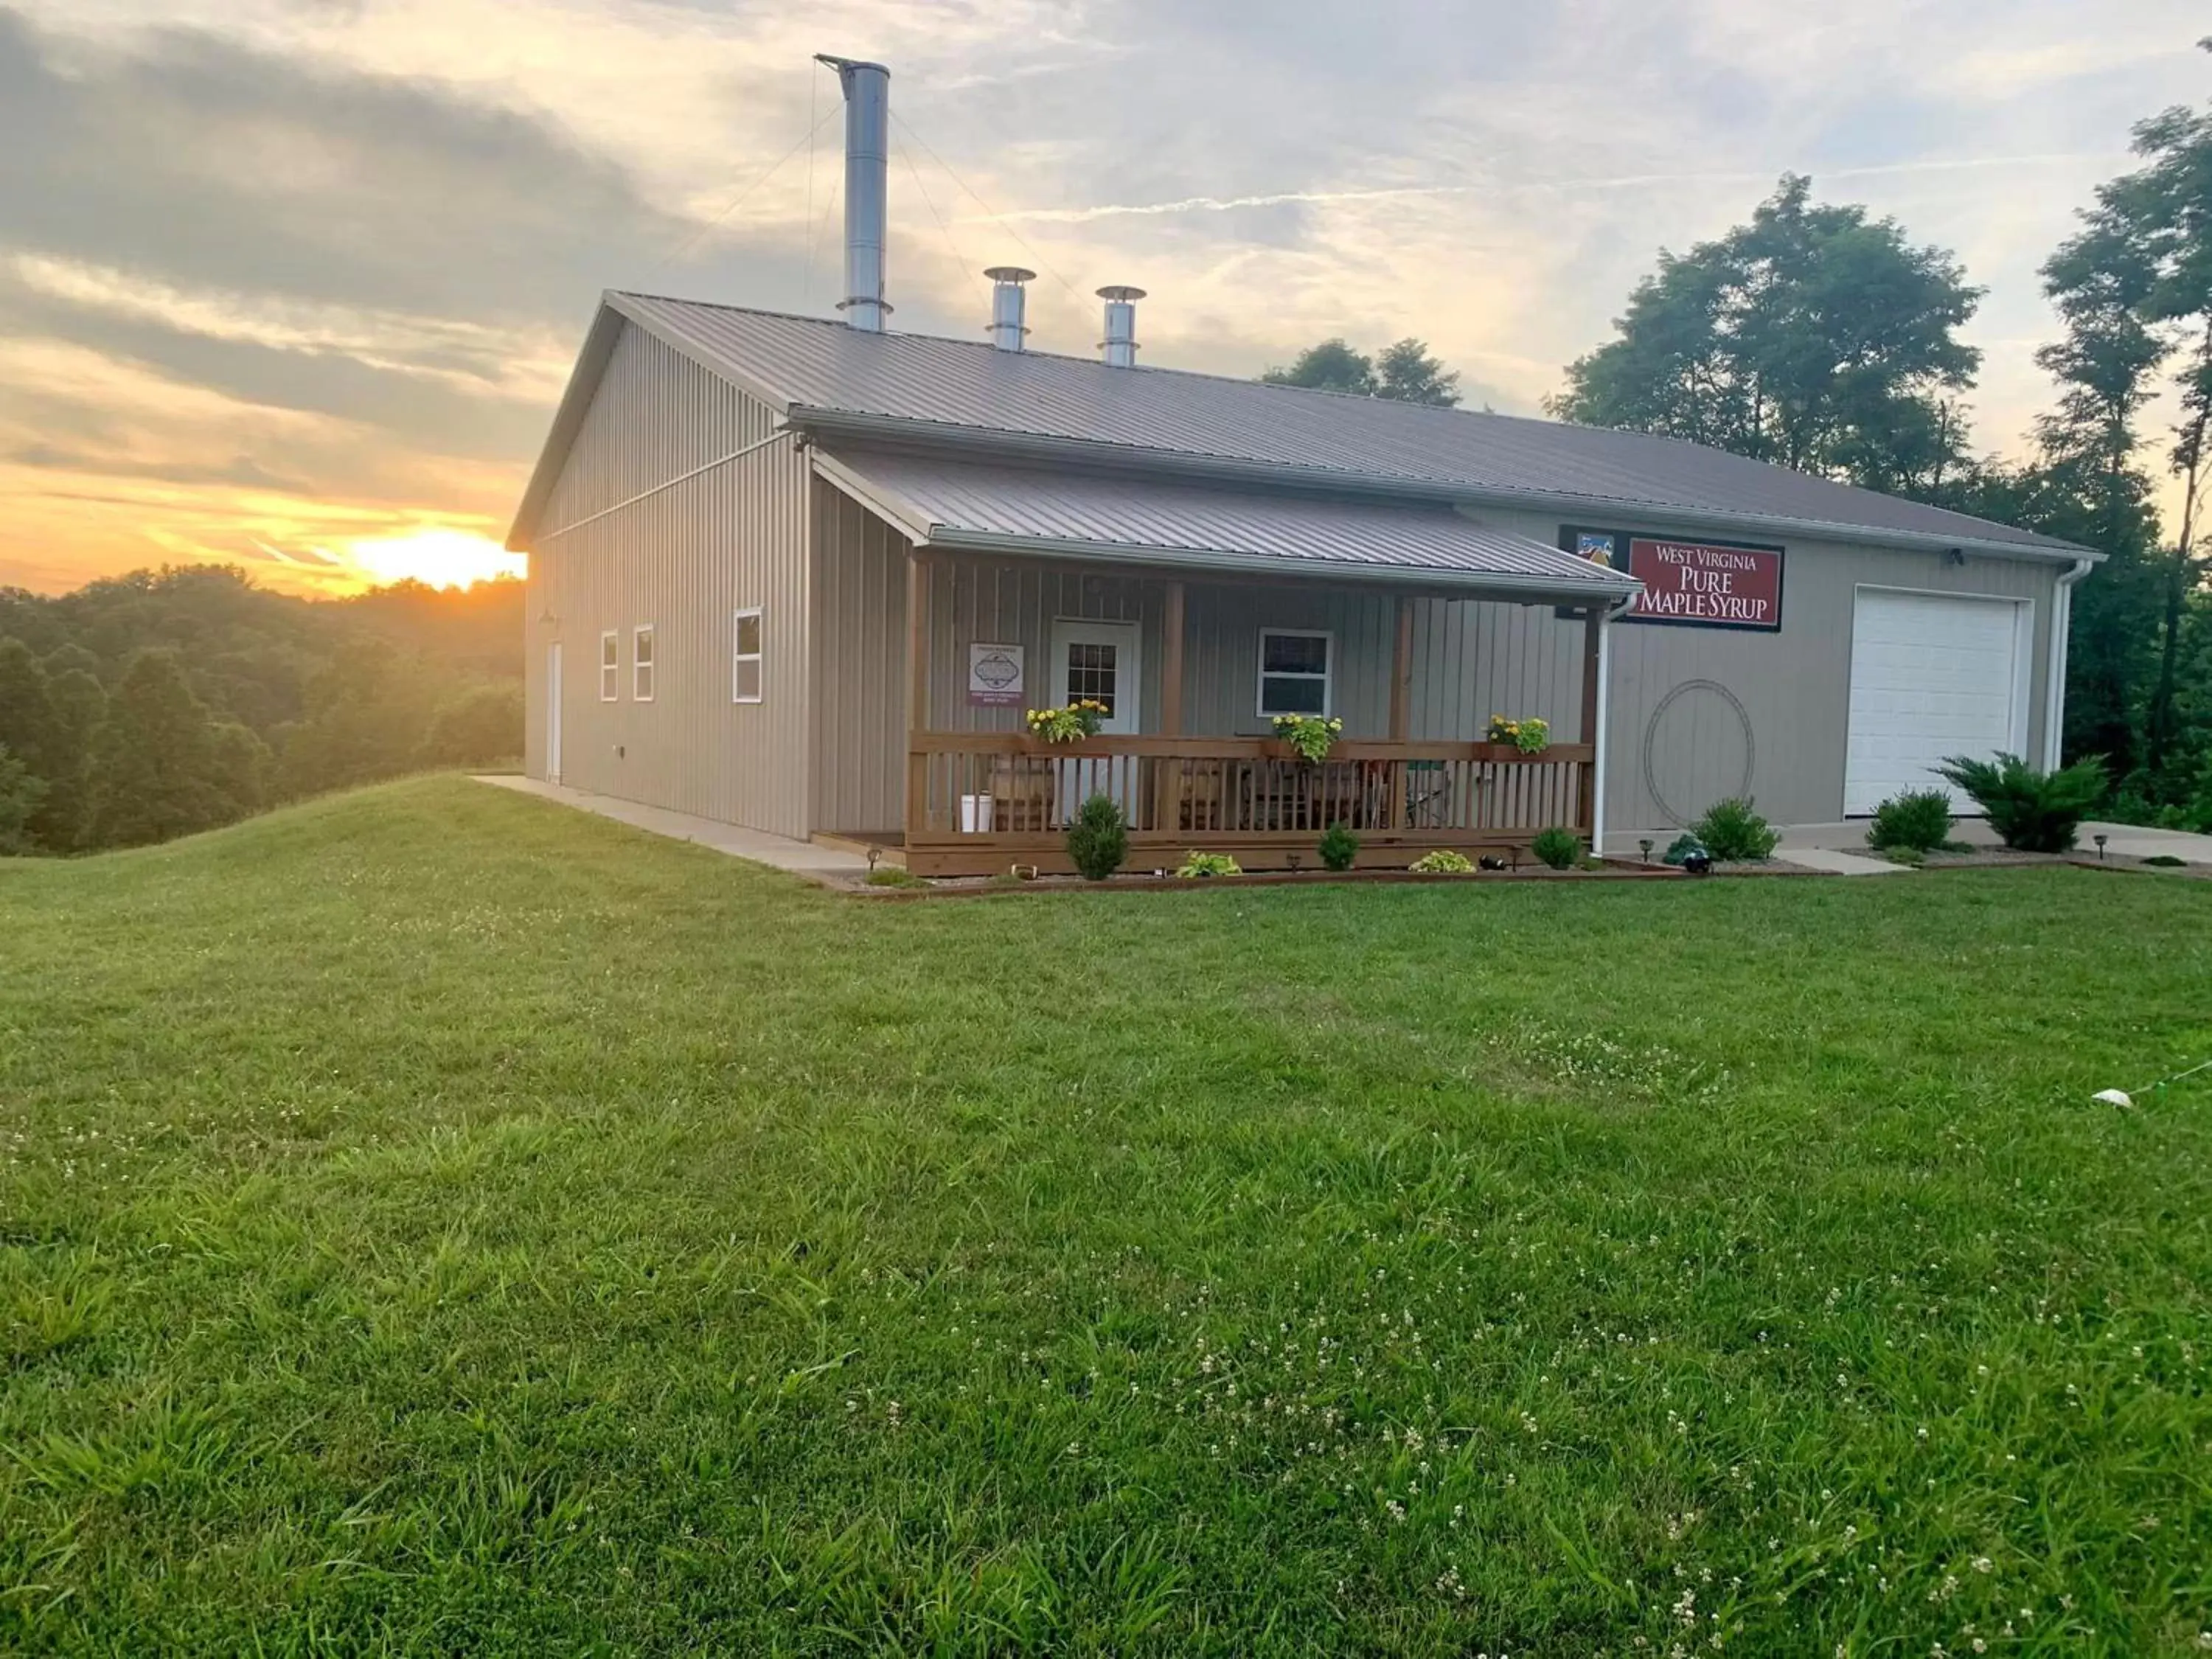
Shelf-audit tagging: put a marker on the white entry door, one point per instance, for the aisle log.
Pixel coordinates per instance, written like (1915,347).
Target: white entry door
(553,712)
(1933,675)
(1098,660)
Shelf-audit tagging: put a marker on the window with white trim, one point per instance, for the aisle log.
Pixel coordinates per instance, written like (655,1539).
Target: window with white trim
(641,663)
(746,656)
(610,667)
(1295,666)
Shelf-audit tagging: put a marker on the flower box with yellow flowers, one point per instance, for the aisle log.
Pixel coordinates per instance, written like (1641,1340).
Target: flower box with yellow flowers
(1080,720)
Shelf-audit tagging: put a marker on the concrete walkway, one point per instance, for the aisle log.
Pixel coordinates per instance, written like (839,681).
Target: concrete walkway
(827,864)
(1836,863)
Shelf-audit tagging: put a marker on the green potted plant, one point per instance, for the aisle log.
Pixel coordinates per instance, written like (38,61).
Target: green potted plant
(1309,736)
(1530,735)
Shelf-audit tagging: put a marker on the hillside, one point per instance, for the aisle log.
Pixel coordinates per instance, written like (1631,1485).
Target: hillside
(143,707)
(434,1221)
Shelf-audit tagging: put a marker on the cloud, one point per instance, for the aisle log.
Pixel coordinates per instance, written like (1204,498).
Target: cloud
(476,359)
(369,232)
(1416,192)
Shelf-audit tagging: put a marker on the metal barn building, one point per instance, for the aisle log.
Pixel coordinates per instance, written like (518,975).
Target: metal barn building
(805,575)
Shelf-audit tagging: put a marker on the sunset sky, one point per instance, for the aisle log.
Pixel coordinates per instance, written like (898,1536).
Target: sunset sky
(294,284)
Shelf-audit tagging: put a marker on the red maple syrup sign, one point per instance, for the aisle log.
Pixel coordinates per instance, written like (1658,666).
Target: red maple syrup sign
(1706,583)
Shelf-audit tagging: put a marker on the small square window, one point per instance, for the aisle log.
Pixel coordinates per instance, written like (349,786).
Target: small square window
(746,656)
(642,663)
(1093,673)
(1294,672)
(610,667)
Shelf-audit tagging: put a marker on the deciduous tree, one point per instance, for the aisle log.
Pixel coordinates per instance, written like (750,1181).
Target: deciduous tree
(157,769)
(1814,336)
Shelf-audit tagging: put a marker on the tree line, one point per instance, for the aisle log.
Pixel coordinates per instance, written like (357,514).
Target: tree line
(1821,338)
(152,705)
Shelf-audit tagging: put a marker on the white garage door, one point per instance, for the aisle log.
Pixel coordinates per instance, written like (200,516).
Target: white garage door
(1932,675)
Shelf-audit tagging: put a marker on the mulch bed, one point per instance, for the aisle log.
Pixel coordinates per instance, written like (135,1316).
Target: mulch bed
(988,886)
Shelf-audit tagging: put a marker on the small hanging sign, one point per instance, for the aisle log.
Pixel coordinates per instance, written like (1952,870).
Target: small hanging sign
(994,676)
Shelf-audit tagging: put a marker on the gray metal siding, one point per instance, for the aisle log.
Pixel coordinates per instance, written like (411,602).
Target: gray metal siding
(1793,686)
(1471,659)
(860,666)
(683,560)
(1015,602)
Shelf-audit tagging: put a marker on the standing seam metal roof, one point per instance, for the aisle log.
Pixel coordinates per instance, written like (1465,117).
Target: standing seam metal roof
(970,498)
(814,364)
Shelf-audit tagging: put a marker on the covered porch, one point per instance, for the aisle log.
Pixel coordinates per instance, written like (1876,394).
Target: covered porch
(1402,632)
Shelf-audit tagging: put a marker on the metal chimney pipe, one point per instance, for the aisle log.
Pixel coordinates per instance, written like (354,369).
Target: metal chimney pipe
(867,163)
(1120,345)
(1006,306)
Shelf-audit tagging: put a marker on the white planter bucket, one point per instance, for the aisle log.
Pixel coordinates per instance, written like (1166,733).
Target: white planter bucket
(974,815)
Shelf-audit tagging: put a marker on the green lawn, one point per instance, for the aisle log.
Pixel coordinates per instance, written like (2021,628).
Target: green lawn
(431,1221)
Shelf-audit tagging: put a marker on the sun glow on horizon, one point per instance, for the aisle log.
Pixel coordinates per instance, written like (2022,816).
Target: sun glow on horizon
(437,555)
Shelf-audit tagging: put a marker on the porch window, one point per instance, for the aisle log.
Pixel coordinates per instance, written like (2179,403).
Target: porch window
(746,656)
(610,667)
(1092,673)
(1294,672)
(641,665)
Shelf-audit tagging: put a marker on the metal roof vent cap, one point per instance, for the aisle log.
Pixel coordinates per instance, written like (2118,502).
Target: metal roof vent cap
(1006,306)
(867,88)
(1120,345)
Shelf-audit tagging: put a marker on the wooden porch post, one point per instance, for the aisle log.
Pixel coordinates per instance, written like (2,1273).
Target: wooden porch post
(1401,673)
(1167,771)
(917,694)
(1586,791)
(1401,707)
(1171,664)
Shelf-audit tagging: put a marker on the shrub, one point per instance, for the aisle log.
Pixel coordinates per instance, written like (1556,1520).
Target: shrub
(2033,811)
(1196,865)
(1338,847)
(1560,849)
(1732,832)
(1442,862)
(1098,840)
(1681,846)
(1918,819)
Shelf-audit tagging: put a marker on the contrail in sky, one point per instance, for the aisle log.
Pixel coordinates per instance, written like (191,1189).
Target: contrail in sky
(1405,192)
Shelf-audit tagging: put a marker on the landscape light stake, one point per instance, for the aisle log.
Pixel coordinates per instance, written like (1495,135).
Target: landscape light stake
(2099,839)
(1646,847)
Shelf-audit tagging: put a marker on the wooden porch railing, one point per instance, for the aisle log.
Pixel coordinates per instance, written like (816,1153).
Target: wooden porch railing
(1008,794)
